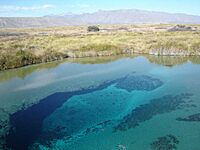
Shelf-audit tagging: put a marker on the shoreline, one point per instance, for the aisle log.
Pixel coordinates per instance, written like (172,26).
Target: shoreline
(99,54)
(51,44)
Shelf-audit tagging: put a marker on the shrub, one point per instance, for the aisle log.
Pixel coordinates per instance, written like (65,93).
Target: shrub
(50,55)
(93,29)
(24,57)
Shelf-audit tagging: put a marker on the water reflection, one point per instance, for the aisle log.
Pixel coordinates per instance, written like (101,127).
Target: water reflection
(25,71)
(169,61)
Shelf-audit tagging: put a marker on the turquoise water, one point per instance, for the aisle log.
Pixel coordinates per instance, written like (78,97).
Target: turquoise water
(123,103)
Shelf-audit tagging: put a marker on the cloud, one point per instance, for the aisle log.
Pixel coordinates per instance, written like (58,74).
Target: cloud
(7,8)
(50,78)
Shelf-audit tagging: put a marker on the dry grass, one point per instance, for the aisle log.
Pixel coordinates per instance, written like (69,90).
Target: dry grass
(47,44)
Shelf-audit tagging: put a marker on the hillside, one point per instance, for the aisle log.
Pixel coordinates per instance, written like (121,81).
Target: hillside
(129,16)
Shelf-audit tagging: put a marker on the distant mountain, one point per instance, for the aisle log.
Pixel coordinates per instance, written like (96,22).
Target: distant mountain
(129,16)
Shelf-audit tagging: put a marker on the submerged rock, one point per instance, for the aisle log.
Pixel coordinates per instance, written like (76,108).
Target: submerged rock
(140,83)
(121,147)
(157,106)
(191,118)
(168,142)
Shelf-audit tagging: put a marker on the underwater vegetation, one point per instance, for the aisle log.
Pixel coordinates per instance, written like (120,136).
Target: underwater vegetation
(168,142)
(48,137)
(157,106)
(140,83)
(98,127)
(191,118)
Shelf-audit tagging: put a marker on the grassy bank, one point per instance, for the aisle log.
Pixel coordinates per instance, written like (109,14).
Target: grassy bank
(32,46)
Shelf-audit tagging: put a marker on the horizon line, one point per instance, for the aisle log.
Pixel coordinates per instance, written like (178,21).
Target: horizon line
(106,10)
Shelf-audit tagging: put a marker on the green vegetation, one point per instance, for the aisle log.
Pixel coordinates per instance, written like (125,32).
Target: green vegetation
(23,58)
(49,44)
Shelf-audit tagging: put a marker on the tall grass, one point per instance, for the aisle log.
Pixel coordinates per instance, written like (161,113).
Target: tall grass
(35,48)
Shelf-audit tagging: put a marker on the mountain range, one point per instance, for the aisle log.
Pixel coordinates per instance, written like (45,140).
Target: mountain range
(125,16)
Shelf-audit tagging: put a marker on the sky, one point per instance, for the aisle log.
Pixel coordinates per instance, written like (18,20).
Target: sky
(37,8)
